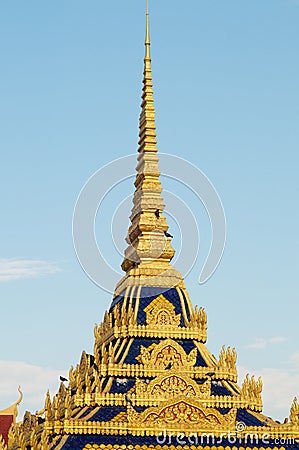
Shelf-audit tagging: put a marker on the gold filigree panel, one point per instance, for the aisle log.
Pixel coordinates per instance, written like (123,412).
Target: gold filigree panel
(166,355)
(160,312)
(172,385)
(185,413)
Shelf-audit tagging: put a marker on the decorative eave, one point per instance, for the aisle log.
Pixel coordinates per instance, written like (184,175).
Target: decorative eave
(120,428)
(13,409)
(122,323)
(7,420)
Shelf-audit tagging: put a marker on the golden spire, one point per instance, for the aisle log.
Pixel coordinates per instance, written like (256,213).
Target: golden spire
(149,252)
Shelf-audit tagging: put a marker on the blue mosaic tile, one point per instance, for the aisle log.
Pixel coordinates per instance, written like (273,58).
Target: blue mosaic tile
(223,410)
(249,419)
(122,386)
(123,350)
(151,291)
(105,383)
(88,411)
(107,413)
(218,389)
(133,302)
(117,347)
(189,345)
(148,294)
(117,299)
(79,442)
(140,409)
(200,362)
(135,349)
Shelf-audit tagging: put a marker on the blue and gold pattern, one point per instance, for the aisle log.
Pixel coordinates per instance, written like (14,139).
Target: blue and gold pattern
(136,392)
(151,381)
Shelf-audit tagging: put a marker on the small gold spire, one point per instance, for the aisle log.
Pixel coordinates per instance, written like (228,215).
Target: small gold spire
(147,34)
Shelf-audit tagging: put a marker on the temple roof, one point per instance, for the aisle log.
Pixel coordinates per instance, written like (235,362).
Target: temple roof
(151,381)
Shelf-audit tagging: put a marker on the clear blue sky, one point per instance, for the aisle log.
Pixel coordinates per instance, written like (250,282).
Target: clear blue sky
(227,99)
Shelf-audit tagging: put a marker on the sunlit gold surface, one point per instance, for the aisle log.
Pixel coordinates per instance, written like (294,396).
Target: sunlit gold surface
(172,395)
(149,252)
(174,388)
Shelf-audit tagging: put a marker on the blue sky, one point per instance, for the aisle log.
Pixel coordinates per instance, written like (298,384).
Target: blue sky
(226,94)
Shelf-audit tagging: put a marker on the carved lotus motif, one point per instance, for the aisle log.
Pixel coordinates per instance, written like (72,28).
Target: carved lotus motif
(186,413)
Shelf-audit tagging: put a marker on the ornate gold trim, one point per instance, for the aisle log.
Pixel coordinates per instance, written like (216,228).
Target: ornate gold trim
(161,312)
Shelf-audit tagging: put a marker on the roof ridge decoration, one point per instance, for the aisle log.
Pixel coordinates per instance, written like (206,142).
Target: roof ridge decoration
(13,409)
(149,252)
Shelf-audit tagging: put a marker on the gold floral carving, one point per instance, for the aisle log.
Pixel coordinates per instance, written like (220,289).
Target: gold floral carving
(183,412)
(161,312)
(168,354)
(172,385)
